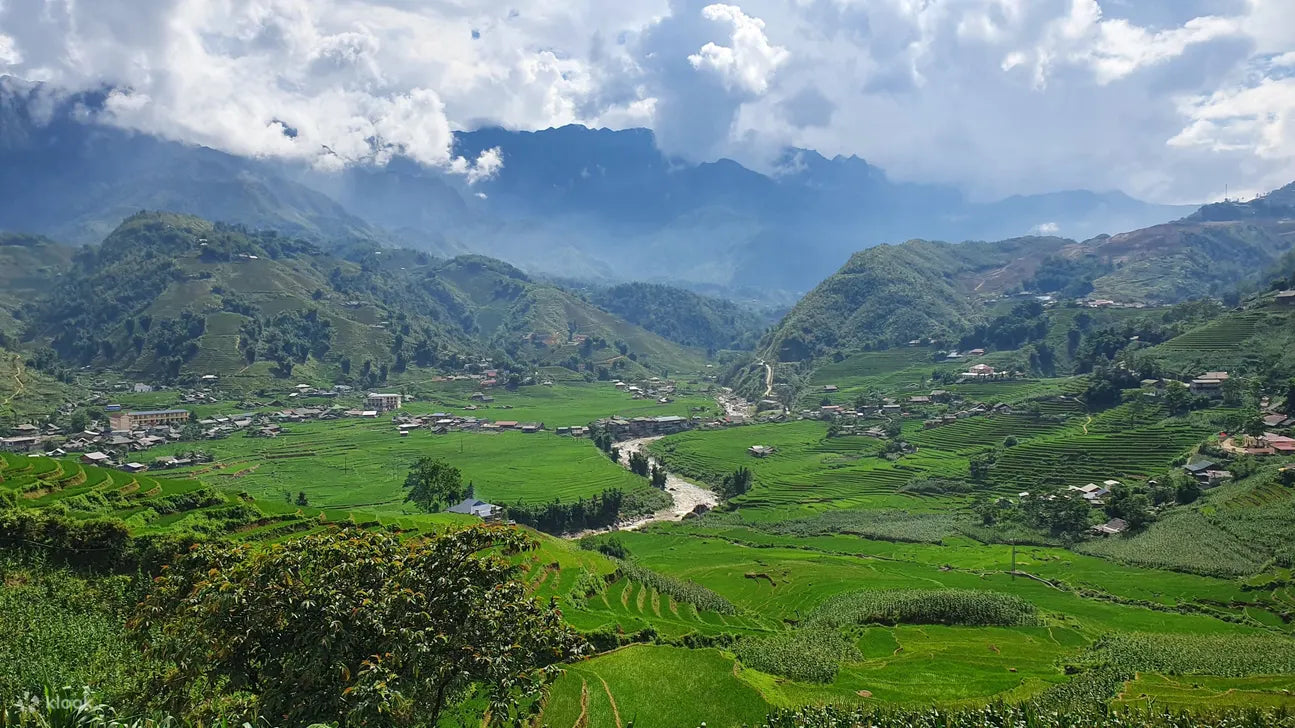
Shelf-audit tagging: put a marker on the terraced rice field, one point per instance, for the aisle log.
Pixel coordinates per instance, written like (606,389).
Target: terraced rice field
(150,504)
(1222,335)
(978,433)
(1013,391)
(1077,459)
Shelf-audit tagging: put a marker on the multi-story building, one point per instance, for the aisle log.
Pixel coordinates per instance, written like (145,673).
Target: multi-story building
(130,421)
(382,402)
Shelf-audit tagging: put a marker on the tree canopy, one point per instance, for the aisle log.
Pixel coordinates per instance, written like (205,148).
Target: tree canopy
(432,482)
(353,628)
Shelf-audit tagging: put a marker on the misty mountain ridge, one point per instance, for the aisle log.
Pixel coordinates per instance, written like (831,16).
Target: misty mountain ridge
(575,202)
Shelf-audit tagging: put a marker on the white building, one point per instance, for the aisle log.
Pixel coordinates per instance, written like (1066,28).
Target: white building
(382,402)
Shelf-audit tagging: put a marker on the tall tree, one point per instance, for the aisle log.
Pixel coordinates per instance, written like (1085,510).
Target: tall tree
(432,482)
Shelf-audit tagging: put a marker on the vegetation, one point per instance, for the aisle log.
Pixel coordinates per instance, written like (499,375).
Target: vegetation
(924,606)
(433,482)
(1003,716)
(682,316)
(367,629)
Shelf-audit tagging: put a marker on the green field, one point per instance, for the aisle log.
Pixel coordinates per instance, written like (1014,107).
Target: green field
(363,463)
(563,404)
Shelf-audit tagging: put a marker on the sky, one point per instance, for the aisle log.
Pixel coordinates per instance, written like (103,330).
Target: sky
(1167,100)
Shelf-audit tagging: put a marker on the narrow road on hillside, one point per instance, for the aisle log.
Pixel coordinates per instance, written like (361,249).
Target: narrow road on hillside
(686,495)
(768,380)
(19,386)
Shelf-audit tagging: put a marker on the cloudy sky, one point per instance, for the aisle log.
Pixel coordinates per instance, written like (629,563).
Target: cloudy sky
(1168,100)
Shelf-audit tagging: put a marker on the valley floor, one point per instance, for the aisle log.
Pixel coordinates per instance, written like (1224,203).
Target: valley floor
(718,617)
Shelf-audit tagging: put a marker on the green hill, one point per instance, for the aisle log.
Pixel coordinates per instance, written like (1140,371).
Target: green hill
(682,316)
(547,324)
(895,293)
(169,295)
(27,263)
(924,289)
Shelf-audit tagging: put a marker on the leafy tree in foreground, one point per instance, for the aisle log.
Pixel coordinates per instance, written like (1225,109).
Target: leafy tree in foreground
(431,482)
(353,628)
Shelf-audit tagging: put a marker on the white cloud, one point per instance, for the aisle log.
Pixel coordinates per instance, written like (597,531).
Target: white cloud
(1165,99)
(1113,48)
(486,166)
(750,61)
(9,55)
(1046,228)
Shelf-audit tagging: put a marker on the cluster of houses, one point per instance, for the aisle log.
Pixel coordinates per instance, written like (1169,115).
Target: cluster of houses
(1093,494)
(1207,473)
(655,389)
(443,422)
(621,428)
(130,432)
(891,407)
(977,410)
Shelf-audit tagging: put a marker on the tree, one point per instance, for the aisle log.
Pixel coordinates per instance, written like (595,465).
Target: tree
(736,483)
(79,421)
(1134,507)
(639,464)
(352,628)
(1177,398)
(432,482)
(1290,397)
(1186,489)
(658,477)
(981,466)
(301,498)
(1233,392)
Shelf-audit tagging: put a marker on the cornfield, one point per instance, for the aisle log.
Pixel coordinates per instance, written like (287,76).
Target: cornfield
(964,607)
(804,654)
(1021,716)
(1221,655)
(683,591)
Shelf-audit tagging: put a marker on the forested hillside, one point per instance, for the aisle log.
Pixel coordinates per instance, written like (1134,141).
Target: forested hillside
(688,318)
(166,295)
(893,293)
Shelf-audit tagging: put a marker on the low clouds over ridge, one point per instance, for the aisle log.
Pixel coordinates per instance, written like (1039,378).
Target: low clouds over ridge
(1164,99)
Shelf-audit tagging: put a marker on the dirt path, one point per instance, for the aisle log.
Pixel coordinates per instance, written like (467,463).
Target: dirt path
(768,380)
(1086,424)
(19,386)
(687,496)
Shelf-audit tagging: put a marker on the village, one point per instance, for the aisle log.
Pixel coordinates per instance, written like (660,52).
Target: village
(118,434)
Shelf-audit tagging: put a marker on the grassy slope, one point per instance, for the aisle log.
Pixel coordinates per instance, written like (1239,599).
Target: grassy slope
(26,394)
(26,265)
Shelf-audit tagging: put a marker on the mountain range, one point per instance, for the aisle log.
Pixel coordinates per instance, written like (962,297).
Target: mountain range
(890,294)
(589,204)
